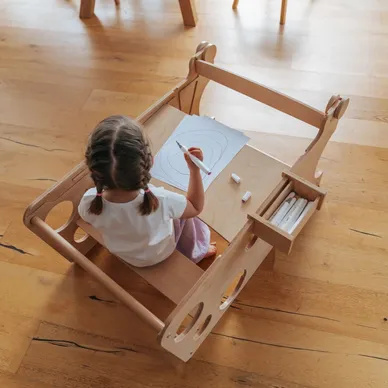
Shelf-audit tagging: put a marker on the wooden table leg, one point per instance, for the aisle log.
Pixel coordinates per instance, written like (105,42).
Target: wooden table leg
(283,12)
(87,9)
(189,13)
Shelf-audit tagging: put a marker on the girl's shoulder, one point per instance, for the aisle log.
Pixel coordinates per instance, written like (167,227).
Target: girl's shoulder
(90,193)
(173,203)
(161,192)
(84,204)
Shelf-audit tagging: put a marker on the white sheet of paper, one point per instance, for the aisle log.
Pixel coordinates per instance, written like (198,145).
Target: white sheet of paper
(219,143)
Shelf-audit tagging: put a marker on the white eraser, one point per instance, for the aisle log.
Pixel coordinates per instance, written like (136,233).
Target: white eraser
(236,178)
(246,196)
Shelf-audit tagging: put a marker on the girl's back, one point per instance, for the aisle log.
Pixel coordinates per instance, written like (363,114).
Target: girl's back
(139,240)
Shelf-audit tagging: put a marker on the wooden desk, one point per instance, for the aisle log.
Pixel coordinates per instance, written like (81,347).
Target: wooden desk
(201,296)
(224,210)
(189,13)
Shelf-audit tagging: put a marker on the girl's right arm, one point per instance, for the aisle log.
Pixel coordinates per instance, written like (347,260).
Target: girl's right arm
(195,193)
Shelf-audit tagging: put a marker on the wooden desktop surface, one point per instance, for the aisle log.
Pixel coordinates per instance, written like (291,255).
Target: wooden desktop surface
(224,211)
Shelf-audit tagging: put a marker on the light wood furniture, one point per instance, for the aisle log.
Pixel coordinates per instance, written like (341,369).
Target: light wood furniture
(87,8)
(283,10)
(189,13)
(198,294)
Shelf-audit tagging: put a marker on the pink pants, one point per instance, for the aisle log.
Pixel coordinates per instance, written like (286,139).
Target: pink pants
(192,237)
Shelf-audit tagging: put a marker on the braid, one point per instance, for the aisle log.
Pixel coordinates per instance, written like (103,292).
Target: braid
(145,165)
(96,205)
(99,161)
(150,202)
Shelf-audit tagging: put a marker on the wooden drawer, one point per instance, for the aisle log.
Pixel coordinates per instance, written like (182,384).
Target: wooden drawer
(276,235)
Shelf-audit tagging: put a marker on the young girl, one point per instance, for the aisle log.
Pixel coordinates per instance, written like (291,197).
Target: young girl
(140,223)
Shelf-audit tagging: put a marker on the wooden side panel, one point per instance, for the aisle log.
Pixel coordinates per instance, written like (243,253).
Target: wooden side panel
(186,97)
(240,260)
(71,189)
(306,165)
(175,103)
(202,82)
(269,262)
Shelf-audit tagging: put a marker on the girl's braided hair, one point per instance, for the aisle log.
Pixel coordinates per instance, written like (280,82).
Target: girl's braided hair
(119,157)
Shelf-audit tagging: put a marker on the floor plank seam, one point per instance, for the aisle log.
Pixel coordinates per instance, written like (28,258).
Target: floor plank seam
(284,311)
(67,343)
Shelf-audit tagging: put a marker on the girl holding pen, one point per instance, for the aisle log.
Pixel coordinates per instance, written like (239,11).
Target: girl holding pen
(140,223)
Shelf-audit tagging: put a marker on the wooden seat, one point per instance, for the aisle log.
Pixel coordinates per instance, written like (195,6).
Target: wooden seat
(173,277)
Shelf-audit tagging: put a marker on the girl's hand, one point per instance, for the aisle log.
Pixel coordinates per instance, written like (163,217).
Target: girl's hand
(197,152)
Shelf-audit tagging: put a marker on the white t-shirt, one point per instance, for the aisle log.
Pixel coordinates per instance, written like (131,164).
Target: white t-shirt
(139,240)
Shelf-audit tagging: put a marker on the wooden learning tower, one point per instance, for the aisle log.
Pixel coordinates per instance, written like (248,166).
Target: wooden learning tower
(198,294)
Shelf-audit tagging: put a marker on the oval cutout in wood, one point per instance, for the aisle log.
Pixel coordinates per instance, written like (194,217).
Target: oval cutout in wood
(202,327)
(232,290)
(60,215)
(251,242)
(80,236)
(188,322)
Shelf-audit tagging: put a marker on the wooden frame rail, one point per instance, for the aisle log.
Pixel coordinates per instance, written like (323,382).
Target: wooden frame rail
(261,93)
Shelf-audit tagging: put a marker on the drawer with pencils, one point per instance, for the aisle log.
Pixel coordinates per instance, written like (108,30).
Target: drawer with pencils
(286,211)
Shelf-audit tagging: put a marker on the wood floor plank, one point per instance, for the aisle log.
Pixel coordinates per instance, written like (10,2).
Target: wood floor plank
(100,358)
(16,332)
(94,361)
(10,380)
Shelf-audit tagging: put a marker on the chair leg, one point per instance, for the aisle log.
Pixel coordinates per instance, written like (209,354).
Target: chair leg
(189,14)
(283,12)
(235,4)
(87,9)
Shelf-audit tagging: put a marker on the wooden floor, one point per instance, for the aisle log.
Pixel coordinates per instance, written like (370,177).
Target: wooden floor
(320,318)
